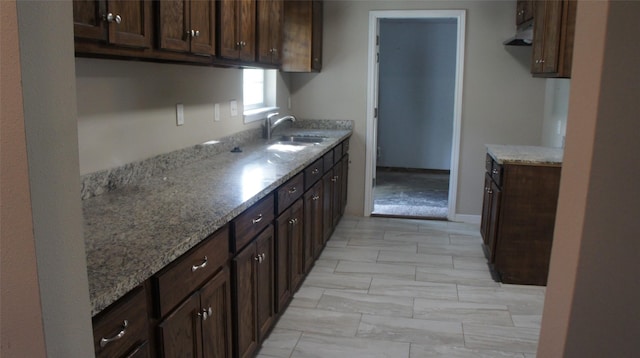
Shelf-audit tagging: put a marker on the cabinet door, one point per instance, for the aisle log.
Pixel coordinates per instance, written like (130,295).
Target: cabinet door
(179,333)
(269,33)
(312,225)
(228,37)
(215,300)
(524,11)
(284,225)
(494,216)
(265,281)
(486,209)
(336,188)
(316,33)
(247,29)
(134,29)
(297,245)
(203,25)
(173,24)
(344,183)
(246,337)
(87,19)
(327,207)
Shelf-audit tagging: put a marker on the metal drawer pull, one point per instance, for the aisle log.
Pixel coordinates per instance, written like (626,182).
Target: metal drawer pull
(105,341)
(292,190)
(257,220)
(202,265)
(110,17)
(315,171)
(293,221)
(495,171)
(334,179)
(315,197)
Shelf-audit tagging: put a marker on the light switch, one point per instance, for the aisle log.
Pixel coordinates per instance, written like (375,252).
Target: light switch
(233,107)
(179,114)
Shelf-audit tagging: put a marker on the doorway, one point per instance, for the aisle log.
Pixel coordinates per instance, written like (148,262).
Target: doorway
(413,122)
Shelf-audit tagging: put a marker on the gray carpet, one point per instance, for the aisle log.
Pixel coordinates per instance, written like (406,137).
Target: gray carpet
(411,194)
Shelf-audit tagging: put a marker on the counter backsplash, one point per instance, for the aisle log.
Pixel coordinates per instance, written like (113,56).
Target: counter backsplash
(103,181)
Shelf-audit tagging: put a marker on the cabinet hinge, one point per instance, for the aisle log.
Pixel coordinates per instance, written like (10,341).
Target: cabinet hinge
(377,39)
(377,57)
(375,112)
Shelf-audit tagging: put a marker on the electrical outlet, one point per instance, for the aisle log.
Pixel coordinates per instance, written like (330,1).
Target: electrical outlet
(216,112)
(233,108)
(179,114)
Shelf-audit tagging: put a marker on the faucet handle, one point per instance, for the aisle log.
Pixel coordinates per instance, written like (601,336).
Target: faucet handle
(271,115)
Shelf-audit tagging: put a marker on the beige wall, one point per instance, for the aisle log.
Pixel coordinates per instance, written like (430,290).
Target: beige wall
(501,102)
(591,307)
(46,58)
(127,109)
(20,313)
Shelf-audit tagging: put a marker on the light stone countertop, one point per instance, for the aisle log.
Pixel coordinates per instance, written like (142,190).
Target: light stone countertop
(136,230)
(525,155)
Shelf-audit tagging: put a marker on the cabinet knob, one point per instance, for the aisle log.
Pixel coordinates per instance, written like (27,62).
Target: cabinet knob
(123,331)
(113,18)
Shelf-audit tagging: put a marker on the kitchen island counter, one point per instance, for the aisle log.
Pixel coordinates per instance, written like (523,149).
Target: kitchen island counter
(526,155)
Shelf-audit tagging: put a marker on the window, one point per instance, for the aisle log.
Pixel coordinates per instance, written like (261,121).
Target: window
(253,88)
(258,93)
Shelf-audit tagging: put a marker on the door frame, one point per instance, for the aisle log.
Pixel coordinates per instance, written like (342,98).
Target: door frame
(372,98)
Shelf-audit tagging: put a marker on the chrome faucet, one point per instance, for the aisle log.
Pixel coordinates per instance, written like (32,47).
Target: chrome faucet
(269,124)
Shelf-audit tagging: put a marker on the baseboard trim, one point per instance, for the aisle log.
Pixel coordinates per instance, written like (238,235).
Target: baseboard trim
(469,219)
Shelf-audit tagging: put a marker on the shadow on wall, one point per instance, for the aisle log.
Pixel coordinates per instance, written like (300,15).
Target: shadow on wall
(522,54)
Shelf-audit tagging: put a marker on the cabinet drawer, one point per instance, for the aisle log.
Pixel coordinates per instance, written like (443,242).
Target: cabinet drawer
(122,328)
(290,192)
(496,173)
(248,224)
(327,161)
(183,276)
(313,173)
(488,163)
(337,153)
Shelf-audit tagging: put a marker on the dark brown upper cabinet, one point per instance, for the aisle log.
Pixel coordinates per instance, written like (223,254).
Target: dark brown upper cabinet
(524,12)
(302,43)
(116,22)
(270,16)
(187,26)
(237,36)
(553,32)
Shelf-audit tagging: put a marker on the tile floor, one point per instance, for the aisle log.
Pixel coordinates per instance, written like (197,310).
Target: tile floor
(417,194)
(406,288)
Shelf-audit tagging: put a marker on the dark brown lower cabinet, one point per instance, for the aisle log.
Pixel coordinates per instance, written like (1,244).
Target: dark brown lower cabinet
(201,325)
(122,330)
(518,220)
(313,240)
(289,247)
(327,207)
(253,293)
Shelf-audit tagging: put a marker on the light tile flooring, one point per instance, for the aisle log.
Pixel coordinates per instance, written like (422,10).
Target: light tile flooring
(406,288)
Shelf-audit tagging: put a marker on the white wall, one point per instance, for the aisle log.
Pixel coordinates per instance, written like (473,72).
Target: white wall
(126,109)
(501,102)
(591,304)
(46,51)
(556,110)
(416,93)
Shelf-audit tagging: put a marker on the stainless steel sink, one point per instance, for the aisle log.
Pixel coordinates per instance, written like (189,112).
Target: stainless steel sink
(301,139)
